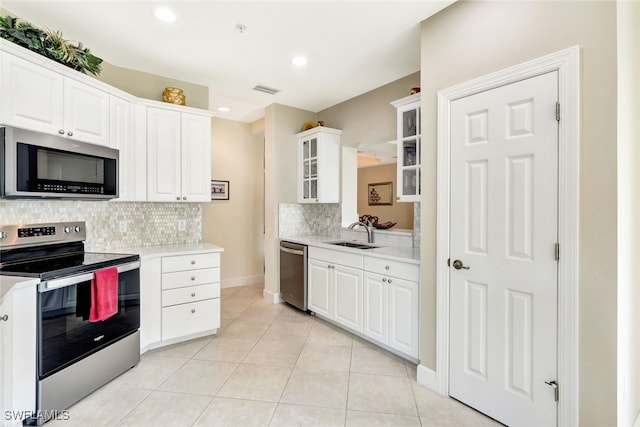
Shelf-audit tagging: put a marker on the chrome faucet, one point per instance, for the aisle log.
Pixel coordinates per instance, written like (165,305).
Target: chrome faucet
(367,226)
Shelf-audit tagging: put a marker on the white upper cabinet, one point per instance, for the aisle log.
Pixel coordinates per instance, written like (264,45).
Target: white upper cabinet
(319,165)
(132,172)
(86,113)
(409,138)
(43,100)
(179,156)
(31,95)
(196,157)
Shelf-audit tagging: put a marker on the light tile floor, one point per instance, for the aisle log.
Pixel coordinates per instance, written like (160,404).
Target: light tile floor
(269,365)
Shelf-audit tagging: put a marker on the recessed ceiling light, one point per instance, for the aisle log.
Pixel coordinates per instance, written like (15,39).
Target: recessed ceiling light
(223,109)
(164,14)
(299,61)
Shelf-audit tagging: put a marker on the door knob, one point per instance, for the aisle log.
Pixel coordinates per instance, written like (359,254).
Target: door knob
(457,264)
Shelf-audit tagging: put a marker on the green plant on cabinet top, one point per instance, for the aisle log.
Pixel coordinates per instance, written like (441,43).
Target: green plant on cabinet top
(49,44)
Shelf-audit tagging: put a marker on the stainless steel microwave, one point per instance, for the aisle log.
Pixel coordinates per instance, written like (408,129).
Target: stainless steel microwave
(45,166)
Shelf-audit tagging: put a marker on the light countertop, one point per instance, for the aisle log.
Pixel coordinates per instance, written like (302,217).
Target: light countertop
(170,250)
(400,253)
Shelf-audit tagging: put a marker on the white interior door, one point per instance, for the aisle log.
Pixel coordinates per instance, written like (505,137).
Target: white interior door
(504,228)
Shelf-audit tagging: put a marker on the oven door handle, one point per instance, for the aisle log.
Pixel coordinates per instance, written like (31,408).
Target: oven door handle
(50,285)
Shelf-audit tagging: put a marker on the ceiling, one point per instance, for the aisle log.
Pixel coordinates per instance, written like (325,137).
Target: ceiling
(352,47)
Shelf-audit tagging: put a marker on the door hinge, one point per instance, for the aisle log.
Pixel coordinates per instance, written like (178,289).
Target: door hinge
(556,389)
(557,249)
(557,111)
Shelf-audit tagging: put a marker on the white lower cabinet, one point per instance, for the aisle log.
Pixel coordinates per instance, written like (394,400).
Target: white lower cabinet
(391,312)
(189,318)
(17,355)
(180,298)
(190,295)
(347,297)
(335,290)
(391,306)
(319,287)
(374,297)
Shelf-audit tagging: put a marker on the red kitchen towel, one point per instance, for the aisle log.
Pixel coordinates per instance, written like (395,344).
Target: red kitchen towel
(104,294)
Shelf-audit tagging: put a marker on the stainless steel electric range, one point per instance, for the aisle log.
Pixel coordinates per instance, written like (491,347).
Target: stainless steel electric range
(75,355)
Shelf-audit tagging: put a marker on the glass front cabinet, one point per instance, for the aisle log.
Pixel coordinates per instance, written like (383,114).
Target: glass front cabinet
(408,145)
(319,165)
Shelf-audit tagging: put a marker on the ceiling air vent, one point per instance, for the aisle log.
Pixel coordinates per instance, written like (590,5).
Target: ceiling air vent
(266,89)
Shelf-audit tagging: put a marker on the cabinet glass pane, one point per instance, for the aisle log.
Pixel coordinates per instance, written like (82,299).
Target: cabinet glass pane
(305,169)
(314,168)
(314,189)
(409,123)
(305,150)
(409,182)
(409,154)
(314,147)
(305,189)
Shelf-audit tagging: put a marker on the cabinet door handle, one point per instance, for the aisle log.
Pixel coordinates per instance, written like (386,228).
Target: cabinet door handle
(193,262)
(193,294)
(386,267)
(384,279)
(178,198)
(193,310)
(61,131)
(389,281)
(193,278)
(4,318)
(184,198)
(70,133)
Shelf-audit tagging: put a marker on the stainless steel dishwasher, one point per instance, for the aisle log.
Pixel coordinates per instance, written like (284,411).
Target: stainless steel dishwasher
(293,274)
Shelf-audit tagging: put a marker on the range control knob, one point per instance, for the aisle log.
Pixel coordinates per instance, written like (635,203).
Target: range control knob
(3,235)
(77,229)
(67,229)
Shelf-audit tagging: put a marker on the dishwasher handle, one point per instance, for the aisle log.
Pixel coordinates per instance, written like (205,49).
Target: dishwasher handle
(291,251)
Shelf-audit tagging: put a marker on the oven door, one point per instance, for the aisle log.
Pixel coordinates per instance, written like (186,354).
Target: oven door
(64,332)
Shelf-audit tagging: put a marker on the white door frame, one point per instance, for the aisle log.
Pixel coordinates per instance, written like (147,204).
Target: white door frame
(567,63)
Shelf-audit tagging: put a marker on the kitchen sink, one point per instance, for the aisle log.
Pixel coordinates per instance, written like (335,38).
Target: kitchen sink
(355,245)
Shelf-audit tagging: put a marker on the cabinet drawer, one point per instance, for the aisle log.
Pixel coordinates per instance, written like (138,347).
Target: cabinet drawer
(186,319)
(181,279)
(335,257)
(399,269)
(190,294)
(190,262)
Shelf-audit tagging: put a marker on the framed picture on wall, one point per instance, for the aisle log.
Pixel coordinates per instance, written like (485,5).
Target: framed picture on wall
(219,190)
(380,193)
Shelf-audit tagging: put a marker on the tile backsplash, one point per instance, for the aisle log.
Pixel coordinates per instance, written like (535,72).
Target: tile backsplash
(296,219)
(309,219)
(147,224)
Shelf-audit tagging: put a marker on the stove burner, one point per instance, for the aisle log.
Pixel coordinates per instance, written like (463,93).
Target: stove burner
(49,251)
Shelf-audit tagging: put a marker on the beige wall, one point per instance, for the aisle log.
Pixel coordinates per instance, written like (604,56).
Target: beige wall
(280,159)
(150,86)
(369,118)
(471,39)
(237,224)
(628,213)
(402,213)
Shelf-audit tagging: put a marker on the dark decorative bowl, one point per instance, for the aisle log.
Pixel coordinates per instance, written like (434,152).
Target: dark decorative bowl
(384,225)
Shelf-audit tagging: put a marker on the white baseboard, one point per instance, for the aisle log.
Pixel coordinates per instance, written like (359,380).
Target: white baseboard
(242,281)
(428,378)
(273,297)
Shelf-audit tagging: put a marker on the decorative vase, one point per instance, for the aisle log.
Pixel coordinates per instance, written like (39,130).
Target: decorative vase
(174,95)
